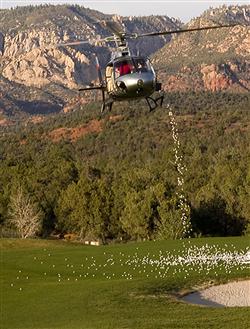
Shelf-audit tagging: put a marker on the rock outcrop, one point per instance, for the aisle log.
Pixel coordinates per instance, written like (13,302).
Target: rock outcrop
(34,63)
(213,79)
(212,60)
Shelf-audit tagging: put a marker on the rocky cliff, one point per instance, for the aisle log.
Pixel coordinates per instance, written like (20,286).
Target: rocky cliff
(31,60)
(211,60)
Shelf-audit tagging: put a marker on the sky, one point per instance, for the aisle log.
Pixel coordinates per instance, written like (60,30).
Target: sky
(182,9)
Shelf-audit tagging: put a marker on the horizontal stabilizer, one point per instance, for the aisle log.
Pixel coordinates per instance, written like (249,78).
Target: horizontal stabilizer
(92,88)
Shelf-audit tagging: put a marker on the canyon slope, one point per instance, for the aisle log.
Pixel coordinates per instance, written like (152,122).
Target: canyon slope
(211,60)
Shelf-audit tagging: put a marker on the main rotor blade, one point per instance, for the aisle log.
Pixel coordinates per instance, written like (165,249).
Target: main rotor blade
(92,88)
(73,43)
(114,27)
(83,42)
(183,31)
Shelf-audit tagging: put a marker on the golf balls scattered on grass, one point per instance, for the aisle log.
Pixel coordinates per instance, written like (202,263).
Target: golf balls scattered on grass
(209,260)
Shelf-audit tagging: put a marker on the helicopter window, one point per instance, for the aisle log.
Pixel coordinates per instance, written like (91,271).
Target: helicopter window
(143,65)
(123,68)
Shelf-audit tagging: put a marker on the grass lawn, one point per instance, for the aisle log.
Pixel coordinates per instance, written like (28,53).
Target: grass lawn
(59,285)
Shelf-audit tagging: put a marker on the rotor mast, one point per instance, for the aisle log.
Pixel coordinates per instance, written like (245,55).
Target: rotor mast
(121,45)
(118,29)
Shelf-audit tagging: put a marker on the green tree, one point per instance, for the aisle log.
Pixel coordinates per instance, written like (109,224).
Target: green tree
(136,218)
(170,224)
(85,207)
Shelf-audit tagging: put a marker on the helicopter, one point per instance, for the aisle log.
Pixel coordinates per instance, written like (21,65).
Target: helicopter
(127,76)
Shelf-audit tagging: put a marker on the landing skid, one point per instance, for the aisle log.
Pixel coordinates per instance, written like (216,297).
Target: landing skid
(153,103)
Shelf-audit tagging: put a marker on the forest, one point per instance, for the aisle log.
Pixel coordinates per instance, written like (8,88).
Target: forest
(122,182)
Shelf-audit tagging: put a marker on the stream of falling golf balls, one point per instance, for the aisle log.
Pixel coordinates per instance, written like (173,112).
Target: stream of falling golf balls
(209,260)
(180,168)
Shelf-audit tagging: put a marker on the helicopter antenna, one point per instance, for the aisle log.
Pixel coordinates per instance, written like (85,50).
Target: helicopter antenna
(1,43)
(98,69)
(101,83)
(246,16)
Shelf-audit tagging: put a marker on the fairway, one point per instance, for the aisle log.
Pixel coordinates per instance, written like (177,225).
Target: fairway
(59,285)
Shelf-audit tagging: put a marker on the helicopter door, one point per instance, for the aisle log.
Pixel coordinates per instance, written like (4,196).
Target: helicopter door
(109,80)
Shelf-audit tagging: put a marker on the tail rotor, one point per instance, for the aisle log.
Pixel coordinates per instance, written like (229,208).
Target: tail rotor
(1,43)
(101,82)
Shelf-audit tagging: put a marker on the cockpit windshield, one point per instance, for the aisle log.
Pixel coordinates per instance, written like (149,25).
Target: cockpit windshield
(131,65)
(124,67)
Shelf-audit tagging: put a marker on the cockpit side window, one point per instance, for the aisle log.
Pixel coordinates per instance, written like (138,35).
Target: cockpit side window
(143,65)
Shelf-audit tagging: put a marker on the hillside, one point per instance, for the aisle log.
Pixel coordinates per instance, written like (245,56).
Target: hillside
(53,75)
(212,60)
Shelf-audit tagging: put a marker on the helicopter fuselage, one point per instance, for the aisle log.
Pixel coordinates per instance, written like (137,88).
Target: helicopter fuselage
(130,77)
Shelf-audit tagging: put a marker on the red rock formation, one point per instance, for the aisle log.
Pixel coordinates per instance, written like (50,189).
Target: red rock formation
(213,79)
